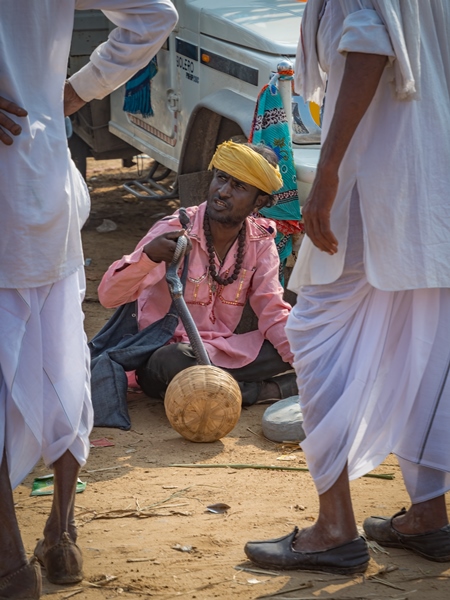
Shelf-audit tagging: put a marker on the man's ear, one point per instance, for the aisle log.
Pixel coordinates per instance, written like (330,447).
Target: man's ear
(261,200)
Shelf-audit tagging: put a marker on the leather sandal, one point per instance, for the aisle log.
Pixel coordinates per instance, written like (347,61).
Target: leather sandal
(345,559)
(63,562)
(23,584)
(432,545)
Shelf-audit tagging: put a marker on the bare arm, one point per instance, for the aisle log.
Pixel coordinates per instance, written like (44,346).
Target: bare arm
(362,74)
(126,279)
(72,101)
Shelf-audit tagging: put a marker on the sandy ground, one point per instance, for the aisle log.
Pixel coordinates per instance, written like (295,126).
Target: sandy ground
(144,526)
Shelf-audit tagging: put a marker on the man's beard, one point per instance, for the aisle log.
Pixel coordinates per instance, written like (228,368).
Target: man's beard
(226,220)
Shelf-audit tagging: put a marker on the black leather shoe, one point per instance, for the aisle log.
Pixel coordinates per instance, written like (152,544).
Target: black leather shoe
(348,558)
(433,545)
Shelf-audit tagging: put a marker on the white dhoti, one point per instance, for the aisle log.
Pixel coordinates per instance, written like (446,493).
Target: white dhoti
(45,405)
(373,376)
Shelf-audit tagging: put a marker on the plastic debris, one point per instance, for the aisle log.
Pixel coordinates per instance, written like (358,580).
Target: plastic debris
(44,486)
(287,457)
(181,548)
(106,226)
(218,508)
(101,443)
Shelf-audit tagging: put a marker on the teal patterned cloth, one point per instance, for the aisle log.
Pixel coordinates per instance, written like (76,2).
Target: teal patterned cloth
(270,127)
(138,91)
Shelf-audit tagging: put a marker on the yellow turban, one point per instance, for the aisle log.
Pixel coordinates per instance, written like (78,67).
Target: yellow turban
(240,161)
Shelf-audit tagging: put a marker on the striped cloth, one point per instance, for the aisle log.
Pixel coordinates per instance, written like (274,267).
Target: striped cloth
(270,127)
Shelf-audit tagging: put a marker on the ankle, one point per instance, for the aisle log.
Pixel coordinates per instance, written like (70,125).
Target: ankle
(54,531)
(418,519)
(322,536)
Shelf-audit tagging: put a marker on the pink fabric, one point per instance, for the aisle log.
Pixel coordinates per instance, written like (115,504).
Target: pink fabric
(216,314)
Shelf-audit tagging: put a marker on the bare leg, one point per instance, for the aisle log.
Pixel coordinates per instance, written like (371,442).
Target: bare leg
(423,528)
(61,517)
(428,515)
(336,522)
(57,551)
(19,579)
(423,517)
(332,544)
(12,552)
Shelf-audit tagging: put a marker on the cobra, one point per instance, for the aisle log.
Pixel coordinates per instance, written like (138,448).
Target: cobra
(176,292)
(203,402)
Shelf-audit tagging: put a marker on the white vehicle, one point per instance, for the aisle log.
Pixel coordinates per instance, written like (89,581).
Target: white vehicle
(210,72)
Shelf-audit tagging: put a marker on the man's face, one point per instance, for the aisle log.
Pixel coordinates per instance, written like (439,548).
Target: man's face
(231,200)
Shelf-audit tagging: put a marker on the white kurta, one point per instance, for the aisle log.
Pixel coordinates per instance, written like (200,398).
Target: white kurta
(45,406)
(398,158)
(43,199)
(45,400)
(373,376)
(370,342)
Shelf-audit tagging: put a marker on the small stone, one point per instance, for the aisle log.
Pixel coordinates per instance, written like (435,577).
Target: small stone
(283,421)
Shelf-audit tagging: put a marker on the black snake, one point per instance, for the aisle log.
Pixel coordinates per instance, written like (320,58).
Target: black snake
(176,292)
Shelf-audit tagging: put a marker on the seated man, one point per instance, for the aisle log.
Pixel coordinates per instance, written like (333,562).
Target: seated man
(233,258)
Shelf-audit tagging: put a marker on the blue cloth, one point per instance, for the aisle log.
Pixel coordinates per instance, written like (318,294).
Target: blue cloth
(119,347)
(138,91)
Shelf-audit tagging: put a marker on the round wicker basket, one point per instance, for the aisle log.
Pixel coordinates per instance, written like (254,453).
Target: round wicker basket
(203,403)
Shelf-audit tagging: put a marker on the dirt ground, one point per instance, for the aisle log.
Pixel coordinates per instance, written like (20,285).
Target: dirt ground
(143,523)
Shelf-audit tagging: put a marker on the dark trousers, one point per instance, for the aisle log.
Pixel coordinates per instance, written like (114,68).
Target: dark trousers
(168,361)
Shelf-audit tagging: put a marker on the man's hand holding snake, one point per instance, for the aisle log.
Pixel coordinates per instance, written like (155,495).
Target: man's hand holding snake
(162,248)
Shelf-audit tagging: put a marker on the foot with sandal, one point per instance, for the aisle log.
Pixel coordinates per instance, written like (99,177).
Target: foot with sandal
(57,552)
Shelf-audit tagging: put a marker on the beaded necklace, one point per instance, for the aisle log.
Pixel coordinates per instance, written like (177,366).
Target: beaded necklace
(212,253)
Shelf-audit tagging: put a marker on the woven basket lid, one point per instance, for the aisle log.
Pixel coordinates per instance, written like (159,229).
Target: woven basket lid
(203,403)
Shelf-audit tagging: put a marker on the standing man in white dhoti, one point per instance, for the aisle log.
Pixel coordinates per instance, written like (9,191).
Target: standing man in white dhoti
(369,332)
(45,407)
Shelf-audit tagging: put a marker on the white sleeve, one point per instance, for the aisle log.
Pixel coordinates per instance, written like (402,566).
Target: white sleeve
(390,28)
(142,28)
(364,30)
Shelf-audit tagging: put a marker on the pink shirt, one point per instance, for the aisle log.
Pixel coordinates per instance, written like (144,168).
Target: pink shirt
(218,313)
